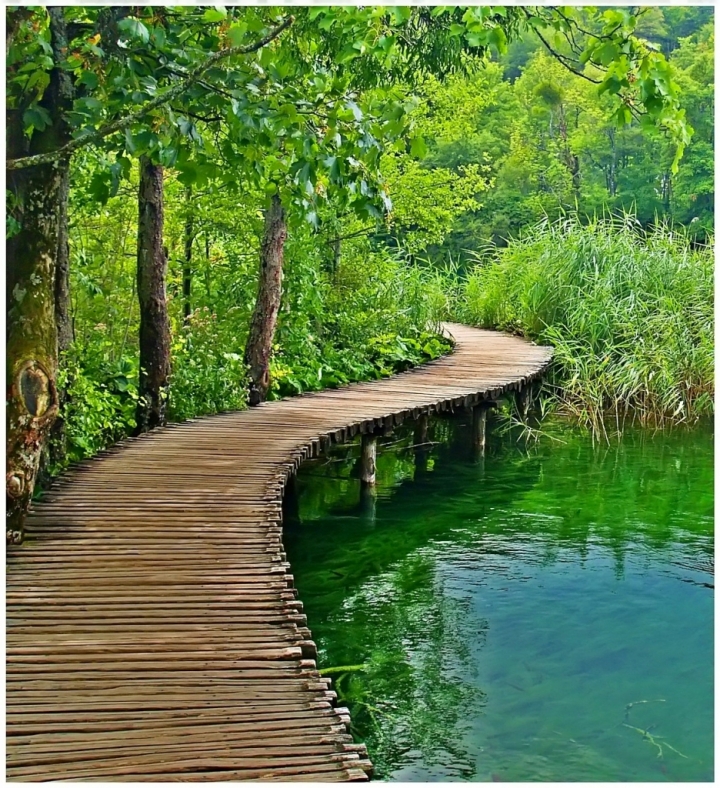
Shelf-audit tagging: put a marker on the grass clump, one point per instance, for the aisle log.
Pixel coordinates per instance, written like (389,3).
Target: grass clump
(629,313)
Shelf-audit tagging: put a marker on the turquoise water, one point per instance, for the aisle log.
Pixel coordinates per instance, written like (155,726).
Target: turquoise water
(542,613)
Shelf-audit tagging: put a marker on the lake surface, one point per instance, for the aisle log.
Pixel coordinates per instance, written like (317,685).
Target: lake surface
(542,613)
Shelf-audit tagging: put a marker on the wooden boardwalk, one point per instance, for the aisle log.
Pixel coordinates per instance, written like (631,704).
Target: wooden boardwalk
(153,631)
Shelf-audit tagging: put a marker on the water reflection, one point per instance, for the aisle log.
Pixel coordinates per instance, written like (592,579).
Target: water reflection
(495,616)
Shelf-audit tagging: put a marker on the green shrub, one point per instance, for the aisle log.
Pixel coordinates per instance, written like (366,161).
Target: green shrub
(629,313)
(374,316)
(208,372)
(100,408)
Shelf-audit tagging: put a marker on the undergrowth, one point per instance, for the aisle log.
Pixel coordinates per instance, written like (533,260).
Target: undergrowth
(375,316)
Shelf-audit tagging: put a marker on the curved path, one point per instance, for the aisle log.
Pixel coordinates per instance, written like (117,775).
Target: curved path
(153,629)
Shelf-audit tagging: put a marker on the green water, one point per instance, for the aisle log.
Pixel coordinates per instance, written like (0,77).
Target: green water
(507,610)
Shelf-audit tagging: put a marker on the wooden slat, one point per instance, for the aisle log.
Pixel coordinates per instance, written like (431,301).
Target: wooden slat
(153,631)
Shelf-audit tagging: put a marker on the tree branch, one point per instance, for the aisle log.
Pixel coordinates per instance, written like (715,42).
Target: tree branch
(564,60)
(194,116)
(597,36)
(158,101)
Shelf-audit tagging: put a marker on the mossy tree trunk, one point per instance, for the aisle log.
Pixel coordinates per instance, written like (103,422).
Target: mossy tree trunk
(57,443)
(54,454)
(63,310)
(267,305)
(39,206)
(154,322)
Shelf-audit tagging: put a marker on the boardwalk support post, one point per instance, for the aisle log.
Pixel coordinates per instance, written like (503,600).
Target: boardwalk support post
(421,441)
(522,401)
(479,426)
(368,457)
(421,429)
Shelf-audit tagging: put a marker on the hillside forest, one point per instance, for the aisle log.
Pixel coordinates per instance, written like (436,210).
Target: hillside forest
(208,207)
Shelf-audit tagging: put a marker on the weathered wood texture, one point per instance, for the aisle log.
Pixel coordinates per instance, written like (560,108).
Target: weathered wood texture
(153,629)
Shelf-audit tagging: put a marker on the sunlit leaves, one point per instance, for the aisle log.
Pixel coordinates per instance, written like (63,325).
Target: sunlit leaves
(418,148)
(216,14)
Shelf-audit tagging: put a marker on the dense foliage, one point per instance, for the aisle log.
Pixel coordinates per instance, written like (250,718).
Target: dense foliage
(548,144)
(629,312)
(400,142)
(366,315)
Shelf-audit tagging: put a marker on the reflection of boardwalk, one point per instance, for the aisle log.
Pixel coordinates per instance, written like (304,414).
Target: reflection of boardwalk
(153,630)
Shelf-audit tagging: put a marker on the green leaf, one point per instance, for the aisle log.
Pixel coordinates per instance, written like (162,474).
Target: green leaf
(498,39)
(400,14)
(37,117)
(100,185)
(357,112)
(188,173)
(418,149)
(216,14)
(606,54)
(347,54)
(611,84)
(158,35)
(622,116)
(88,79)
(185,126)
(130,145)
(478,39)
(134,28)
(236,33)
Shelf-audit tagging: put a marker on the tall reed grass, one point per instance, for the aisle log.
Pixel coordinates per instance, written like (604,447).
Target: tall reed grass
(629,313)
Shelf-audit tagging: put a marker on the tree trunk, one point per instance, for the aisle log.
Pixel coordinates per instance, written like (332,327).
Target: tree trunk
(154,322)
(337,252)
(54,453)
(267,305)
(39,206)
(62,93)
(666,192)
(207,265)
(31,370)
(611,177)
(187,268)
(63,312)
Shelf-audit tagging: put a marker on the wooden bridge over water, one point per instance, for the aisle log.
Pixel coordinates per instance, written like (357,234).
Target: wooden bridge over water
(153,631)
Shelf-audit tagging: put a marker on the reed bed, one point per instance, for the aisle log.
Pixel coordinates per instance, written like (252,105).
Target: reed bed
(628,311)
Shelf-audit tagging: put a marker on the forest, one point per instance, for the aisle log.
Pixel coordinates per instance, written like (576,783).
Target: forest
(209,207)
